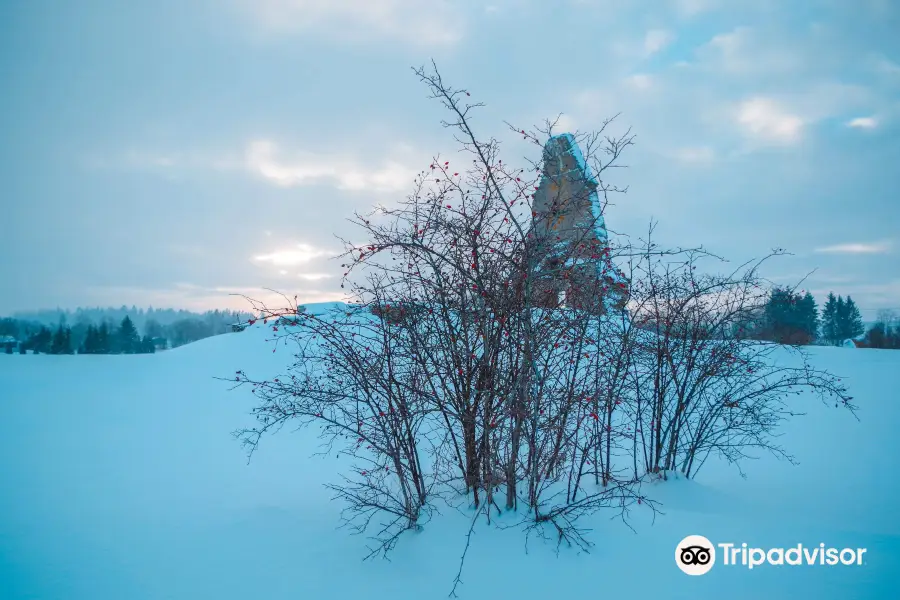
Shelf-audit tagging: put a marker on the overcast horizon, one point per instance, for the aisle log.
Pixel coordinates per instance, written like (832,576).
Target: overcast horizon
(172,153)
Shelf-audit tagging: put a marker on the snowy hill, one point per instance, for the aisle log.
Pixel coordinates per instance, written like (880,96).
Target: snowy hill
(120,479)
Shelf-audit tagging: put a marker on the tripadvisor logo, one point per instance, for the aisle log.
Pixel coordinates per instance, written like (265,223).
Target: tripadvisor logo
(696,555)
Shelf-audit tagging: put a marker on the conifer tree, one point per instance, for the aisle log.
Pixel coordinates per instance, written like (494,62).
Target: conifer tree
(840,321)
(853,320)
(56,346)
(89,346)
(829,320)
(127,339)
(809,313)
(66,347)
(791,318)
(103,339)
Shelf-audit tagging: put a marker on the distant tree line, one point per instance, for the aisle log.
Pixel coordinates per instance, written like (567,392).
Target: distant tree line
(885,332)
(94,331)
(789,317)
(139,316)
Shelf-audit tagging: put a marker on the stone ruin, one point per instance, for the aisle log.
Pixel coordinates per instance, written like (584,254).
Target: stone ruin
(569,235)
(568,239)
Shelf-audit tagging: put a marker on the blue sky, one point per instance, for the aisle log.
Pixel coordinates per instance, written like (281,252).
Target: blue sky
(171,153)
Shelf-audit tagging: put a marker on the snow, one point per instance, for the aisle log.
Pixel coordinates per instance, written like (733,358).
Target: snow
(120,479)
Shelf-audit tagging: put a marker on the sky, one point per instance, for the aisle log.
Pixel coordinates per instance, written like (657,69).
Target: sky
(179,153)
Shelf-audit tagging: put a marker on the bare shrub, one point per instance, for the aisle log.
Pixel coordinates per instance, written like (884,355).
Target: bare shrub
(488,358)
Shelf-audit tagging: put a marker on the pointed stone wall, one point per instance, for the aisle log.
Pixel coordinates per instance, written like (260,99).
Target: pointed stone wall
(570,234)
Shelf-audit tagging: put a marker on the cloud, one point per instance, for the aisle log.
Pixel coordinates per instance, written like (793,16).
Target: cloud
(263,159)
(885,66)
(565,123)
(438,24)
(690,8)
(789,79)
(745,89)
(729,50)
(640,81)
(745,51)
(298,255)
(764,119)
(857,248)
(783,119)
(657,39)
(314,276)
(863,123)
(697,155)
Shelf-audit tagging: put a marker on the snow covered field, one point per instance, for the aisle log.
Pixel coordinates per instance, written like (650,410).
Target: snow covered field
(119,479)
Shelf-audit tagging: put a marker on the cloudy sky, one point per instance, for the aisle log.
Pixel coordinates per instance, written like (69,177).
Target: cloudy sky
(174,152)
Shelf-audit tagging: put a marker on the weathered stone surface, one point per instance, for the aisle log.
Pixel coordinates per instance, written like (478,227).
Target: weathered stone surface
(569,234)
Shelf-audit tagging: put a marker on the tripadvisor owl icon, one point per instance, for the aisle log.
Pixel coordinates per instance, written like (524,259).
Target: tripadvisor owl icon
(695,555)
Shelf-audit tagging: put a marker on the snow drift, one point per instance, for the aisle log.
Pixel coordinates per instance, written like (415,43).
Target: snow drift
(120,479)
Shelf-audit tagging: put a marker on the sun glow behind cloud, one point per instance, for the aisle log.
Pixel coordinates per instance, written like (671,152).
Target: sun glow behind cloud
(301,254)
